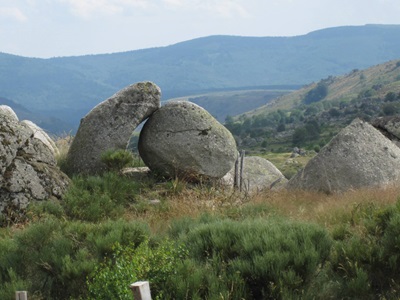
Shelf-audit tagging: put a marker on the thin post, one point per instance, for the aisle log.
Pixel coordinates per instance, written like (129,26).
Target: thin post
(242,154)
(21,295)
(141,290)
(236,179)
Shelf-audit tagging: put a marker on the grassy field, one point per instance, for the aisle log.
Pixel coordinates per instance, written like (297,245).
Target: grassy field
(286,164)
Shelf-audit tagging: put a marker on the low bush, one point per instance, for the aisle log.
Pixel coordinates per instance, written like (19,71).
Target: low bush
(55,256)
(111,279)
(115,160)
(96,198)
(262,259)
(365,257)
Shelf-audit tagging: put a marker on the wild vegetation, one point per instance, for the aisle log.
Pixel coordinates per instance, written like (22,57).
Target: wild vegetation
(311,116)
(202,242)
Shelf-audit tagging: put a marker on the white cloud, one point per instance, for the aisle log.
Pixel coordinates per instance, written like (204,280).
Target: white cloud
(174,2)
(12,13)
(228,9)
(219,8)
(91,8)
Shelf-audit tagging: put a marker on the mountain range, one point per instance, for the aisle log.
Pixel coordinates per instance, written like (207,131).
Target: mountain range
(68,87)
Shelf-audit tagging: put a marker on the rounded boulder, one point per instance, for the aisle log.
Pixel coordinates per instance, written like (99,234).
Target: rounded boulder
(183,139)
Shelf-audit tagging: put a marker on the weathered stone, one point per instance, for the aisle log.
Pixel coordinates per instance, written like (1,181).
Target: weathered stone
(28,170)
(109,126)
(183,139)
(39,133)
(359,156)
(258,174)
(7,112)
(389,127)
(137,173)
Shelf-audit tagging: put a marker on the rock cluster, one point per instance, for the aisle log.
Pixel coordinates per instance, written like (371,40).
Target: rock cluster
(359,156)
(28,170)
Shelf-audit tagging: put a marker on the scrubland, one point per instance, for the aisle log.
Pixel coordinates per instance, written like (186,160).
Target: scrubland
(203,241)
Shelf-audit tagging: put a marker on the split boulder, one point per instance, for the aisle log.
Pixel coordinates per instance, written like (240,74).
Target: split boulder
(109,126)
(183,139)
(359,156)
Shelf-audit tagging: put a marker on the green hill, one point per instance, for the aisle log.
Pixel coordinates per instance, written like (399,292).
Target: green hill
(310,116)
(68,87)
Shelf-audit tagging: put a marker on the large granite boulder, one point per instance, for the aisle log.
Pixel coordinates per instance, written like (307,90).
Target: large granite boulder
(28,170)
(109,126)
(258,174)
(182,139)
(359,156)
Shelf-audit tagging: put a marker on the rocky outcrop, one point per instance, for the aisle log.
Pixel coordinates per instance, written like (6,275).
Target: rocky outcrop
(258,174)
(182,139)
(28,170)
(359,156)
(110,125)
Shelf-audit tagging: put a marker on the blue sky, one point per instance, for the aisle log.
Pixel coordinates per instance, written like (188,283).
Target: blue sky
(48,28)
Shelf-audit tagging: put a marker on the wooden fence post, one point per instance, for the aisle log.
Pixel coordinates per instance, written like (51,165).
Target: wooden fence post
(236,179)
(141,290)
(242,154)
(21,295)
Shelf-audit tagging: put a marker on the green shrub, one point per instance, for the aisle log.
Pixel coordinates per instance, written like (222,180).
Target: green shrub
(96,198)
(115,160)
(111,279)
(366,261)
(264,259)
(54,257)
(13,284)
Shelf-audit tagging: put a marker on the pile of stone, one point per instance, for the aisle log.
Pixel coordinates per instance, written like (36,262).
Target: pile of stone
(28,170)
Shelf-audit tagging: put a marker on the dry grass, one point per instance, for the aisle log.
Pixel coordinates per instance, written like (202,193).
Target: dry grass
(328,210)
(63,143)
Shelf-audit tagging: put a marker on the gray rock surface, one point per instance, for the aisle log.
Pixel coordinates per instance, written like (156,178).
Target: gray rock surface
(110,125)
(389,127)
(8,113)
(39,133)
(28,170)
(182,139)
(258,174)
(359,156)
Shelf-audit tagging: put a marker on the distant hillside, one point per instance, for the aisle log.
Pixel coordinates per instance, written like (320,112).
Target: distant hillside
(50,124)
(68,87)
(231,103)
(310,116)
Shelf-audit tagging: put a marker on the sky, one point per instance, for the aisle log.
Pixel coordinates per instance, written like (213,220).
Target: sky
(52,28)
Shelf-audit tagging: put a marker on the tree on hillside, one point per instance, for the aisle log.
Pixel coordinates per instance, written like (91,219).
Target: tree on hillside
(316,94)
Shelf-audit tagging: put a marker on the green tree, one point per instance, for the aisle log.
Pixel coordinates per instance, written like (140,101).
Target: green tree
(316,94)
